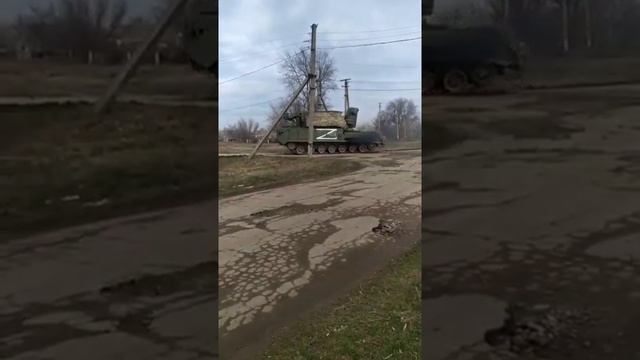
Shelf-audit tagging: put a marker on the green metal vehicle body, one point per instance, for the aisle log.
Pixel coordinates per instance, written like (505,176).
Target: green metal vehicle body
(295,136)
(201,31)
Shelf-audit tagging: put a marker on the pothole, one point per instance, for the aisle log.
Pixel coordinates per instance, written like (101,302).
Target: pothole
(386,227)
(537,328)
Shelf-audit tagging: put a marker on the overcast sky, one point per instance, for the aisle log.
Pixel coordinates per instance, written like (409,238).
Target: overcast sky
(255,33)
(10,8)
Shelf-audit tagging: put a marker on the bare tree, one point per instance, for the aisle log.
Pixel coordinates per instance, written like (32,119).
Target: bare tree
(73,25)
(470,15)
(295,109)
(161,8)
(244,130)
(549,25)
(399,120)
(295,68)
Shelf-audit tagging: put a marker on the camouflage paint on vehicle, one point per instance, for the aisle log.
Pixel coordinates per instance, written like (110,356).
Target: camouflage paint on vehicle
(294,135)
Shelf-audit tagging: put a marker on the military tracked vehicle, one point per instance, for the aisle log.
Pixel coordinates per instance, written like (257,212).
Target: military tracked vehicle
(333,133)
(201,30)
(461,60)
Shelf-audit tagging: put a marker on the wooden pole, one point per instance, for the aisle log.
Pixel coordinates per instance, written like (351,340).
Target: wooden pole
(587,22)
(313,96)
(507,12)
(133,64)
(280,115)
(565,26)
(346,95)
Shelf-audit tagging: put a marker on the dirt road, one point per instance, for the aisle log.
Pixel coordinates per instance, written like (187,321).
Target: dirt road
(135,288)
(287,251)
(160,100)
(538,210)
(144,287)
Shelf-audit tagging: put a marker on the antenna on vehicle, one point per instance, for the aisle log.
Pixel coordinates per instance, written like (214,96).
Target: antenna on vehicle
(346,95)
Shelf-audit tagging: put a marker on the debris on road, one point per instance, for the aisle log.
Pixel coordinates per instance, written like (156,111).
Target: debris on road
(98,203)
(386,227)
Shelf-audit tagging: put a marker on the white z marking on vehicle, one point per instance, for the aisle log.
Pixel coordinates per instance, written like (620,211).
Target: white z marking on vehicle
(331,134)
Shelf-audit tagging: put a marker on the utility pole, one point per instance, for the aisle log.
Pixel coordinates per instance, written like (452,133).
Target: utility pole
(587,22)
(346,95)
(313,96)
(320,97)
(507,12)
(134,62)
(565,26)
(397,124)
(280,115)
(379,112)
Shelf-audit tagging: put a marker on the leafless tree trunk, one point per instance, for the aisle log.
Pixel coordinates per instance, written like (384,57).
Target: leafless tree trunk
(295,69)
(587,22)
(565,26)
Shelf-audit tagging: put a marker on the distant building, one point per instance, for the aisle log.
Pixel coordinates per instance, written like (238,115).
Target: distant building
(8,44)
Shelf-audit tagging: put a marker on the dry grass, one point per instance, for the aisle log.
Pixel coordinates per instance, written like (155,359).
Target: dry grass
(239,174)
(275,148)
(61,165)
(245,148)
(577,71)
(382,320)
(53,79)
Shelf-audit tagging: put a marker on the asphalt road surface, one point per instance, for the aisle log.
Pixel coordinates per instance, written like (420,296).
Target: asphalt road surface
(145,287)
(537,211)
(287,251)
(138,288)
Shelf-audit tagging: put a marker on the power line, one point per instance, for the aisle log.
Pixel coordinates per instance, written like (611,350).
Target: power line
(370,31)
(413,33)
(251,105)
(254,71)
(385,65)
(387,81)
(370,44)
(254,54)
(415,89)
(251,72)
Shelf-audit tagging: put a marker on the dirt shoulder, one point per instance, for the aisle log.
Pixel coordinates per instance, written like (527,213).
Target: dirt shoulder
(381,319)
(63,165)
(528,231)
(46,79)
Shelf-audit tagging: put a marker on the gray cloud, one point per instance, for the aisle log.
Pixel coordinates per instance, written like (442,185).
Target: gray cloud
(255,33)
(9,9)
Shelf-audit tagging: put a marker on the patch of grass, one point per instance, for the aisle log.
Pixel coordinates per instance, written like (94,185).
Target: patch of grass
(580,70)
(62,165)
(48,78)
(239,174)
(439,137)
(539,127)
(246,148)
(413,144)
(382,320)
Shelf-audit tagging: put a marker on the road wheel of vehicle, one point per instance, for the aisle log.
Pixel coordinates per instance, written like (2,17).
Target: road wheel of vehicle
(430,82)
(353,148)
(483,75)
(331,149)
(373,147)
(291,146)
(300,149)
(322,148)
(362,148)
(342,149)
(456,81)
